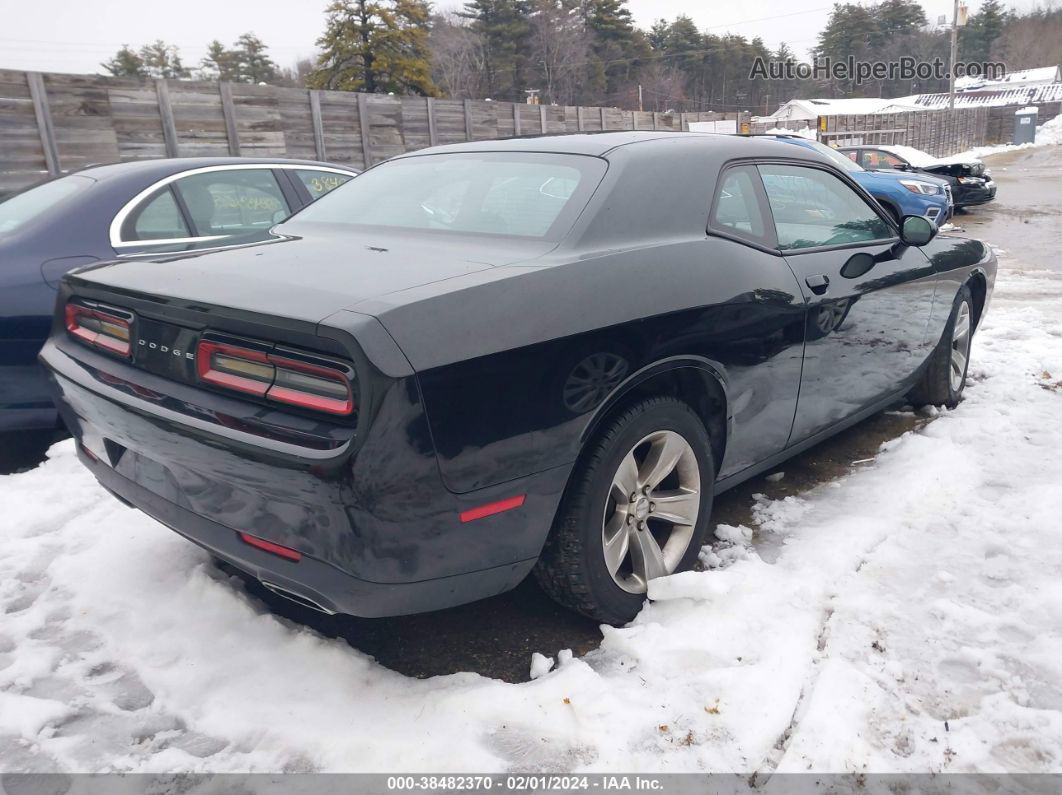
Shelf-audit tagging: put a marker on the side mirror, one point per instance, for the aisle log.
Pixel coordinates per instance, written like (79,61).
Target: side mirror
(917,230)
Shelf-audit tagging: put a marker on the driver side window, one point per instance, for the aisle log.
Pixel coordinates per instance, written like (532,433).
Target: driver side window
(812,208)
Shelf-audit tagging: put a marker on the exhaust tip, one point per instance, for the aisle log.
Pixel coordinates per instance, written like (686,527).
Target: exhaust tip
(297,598)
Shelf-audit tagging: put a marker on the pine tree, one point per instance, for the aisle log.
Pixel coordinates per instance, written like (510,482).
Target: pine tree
(898,18)
(504,27)
(618,49)
(254,63)
(852,30)
(162,60)
(978,39)
(375,46)
(125,63)
(220,63)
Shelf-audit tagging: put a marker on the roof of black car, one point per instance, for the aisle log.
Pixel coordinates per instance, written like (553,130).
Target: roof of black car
(166,166)
(600,143)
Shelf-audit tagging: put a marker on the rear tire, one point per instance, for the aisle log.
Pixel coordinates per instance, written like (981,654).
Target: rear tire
(637,507)
(944,377)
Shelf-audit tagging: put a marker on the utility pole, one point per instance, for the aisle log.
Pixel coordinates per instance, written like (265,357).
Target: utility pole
(640,108)
(954,53)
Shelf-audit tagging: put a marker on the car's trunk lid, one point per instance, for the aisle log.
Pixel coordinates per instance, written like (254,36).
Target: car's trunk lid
(304,278)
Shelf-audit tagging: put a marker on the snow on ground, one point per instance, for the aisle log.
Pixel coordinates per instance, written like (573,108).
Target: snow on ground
(908,617)
(1047,134)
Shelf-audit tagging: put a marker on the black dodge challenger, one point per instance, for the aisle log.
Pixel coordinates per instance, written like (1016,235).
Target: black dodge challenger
(482,360)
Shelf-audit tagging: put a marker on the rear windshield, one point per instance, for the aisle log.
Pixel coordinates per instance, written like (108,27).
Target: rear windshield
(23,207)
(511,194)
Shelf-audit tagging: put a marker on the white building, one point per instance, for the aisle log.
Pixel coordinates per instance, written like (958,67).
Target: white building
(810,109)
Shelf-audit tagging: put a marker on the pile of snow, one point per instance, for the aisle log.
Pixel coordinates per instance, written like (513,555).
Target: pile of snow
(1047,134)
(909,618)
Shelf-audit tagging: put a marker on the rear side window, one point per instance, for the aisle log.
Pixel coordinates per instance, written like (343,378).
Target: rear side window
(736,209)
(23,207)
(229,202)
(812,207)
(159,219)
(318,183)
(875,158)
(514,194)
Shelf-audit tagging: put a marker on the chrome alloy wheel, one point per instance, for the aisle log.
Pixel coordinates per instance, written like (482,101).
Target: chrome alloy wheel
(651,510)
(960,346)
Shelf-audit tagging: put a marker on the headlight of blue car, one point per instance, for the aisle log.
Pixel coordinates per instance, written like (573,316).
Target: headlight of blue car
(915,186)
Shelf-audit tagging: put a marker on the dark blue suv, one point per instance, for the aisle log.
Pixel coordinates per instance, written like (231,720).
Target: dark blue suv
(900,192)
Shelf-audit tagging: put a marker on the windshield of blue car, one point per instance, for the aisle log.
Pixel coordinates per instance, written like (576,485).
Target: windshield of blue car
(22,208)
(511,194)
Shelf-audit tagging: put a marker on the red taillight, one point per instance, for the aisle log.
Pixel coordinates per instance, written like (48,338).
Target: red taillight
(310,386)
(99,328)
(269,546)
(319,386)
(492,508)
(242,369)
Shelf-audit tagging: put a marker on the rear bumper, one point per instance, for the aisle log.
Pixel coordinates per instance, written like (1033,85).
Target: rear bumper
(378,532)
(311,581)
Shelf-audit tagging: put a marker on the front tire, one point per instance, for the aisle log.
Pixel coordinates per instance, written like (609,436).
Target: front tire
(636,508)
(944,378)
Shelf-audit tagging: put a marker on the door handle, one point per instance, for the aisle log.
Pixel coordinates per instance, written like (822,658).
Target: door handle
(818,283)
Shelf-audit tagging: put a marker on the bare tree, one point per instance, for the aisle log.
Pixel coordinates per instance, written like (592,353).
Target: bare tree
(560,49)
(457,57)
(663,87)
(296,75)
(1032,40)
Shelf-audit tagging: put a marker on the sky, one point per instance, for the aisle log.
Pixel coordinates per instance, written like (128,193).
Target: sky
(76,35)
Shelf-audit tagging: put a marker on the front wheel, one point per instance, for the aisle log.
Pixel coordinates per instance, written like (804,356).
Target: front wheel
(944,378)
(637,508)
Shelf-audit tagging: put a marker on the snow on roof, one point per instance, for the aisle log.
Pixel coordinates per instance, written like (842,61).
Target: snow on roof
(812,108)
(1041,74)
(1024,87)
(991,97)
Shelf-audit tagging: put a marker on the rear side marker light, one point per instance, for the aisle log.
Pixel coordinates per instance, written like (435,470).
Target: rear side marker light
(269,546)
(492,508)
(99,328)
(279,378)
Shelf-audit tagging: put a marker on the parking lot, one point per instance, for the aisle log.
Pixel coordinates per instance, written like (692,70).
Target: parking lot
(842,626)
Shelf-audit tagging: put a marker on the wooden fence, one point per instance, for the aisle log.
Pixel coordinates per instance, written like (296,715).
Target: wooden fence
(939,132)
(55,123)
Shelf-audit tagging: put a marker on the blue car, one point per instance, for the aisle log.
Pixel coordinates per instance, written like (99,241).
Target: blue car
(121,211)
(899,192)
